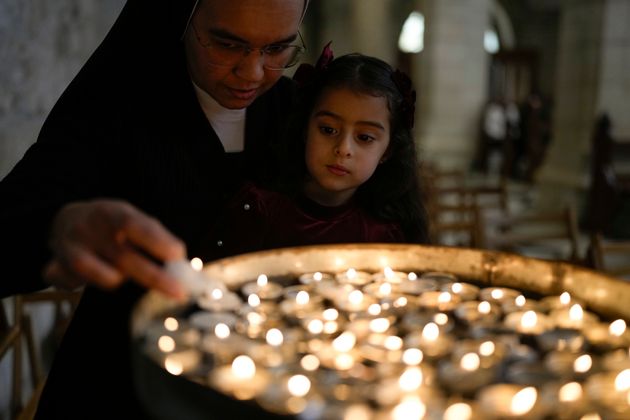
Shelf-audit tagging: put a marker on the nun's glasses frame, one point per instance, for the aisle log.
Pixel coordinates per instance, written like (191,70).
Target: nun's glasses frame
(227,53)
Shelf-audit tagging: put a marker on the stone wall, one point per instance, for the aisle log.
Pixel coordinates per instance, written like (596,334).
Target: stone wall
(42,46)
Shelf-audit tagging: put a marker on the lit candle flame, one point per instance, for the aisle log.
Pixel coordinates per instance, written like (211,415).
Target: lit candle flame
(196,264)
(217,294)
(411,379)
(318,276)
(431,332)
(576,313)
(565,298)
(529,319)
(330,314)
(389,273)
(440,318)
(385,289)
(355,297)
(262,280)
(330,327)
(379,325)
(351,273)
(299,385)
(274,337)
(173,366)
(243,367)
(457,288)
(345,342)
(344,361)
(570,392)
(315,326)
(374,309)
(357,411)
(255,318)
(171,324)
(393,343)
(222,331)
(253,300)
(412,276)
(302,297)
(617,328)
(622,380)
(166,344)
(524,400)
(410,408)
(412,357)
(458,411)
(470,362)
(496,294)
(520,300)
(310,362)
(484,307)
(444,297)
(487,348)
(583,363)
(400,302)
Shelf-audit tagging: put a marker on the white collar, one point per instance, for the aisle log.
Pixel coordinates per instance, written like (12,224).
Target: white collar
(215,110)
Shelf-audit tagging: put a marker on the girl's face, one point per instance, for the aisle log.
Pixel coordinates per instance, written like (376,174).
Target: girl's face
(347,137)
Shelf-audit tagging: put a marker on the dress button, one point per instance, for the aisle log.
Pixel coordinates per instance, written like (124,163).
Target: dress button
(246,207)
(219,243)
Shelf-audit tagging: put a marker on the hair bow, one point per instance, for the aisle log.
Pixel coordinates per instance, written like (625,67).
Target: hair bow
(306,73)
(405,87)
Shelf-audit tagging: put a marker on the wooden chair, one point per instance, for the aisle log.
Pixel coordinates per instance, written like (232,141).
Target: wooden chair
(454,225)
(481,196)
(64,303)
(610,256)
(12,337)
(548,235)
(453,207)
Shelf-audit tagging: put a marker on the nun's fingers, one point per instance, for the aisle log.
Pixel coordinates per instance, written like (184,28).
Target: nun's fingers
(105,242)
(86,268)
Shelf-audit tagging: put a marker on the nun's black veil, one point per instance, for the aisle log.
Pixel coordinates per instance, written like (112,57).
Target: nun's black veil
(125,75)
(142,48)
(135,87)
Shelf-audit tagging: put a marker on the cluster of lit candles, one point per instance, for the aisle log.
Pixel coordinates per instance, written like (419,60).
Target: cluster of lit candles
(398,345)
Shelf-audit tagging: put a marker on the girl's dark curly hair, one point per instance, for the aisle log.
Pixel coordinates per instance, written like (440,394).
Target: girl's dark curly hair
(393,192)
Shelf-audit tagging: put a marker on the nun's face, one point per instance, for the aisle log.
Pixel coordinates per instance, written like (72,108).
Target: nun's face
(214,40)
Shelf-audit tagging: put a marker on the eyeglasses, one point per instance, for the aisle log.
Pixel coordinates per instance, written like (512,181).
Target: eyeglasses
(224,53)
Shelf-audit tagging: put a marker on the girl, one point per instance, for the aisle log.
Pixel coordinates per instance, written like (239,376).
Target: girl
(352,177)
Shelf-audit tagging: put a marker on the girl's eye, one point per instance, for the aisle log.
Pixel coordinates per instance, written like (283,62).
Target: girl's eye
(329,131)
(365,138)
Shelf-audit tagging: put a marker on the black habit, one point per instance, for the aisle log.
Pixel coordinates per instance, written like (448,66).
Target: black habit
(129,126)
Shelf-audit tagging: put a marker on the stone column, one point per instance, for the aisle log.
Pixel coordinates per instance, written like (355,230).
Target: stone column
(372,29)
(592,77)
(614,75)
(451,74)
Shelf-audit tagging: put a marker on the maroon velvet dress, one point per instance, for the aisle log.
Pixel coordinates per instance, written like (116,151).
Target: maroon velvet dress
(259,219)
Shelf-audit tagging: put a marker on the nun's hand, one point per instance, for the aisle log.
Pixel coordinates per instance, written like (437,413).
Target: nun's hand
(107,242)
